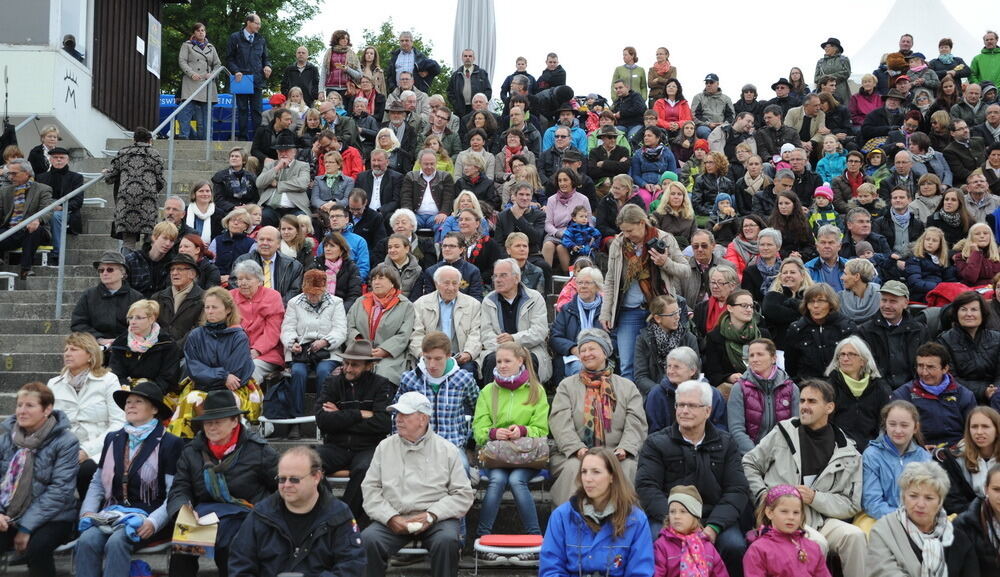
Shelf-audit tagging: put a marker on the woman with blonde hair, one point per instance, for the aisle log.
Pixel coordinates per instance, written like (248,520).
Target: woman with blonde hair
(145,351)
(399,159)
(977,259)
(312,125)
(463,200)
(782,300)
(675,214)
(39,155)
(83,391)
(928,265)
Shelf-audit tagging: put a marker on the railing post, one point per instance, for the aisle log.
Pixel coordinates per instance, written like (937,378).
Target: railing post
(208,131)
(64,223)
(170,160)
(232,133)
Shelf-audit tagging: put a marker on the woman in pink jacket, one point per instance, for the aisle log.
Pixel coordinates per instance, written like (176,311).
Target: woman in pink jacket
(262,312)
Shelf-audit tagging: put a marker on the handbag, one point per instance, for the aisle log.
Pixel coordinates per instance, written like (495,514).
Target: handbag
(522,453)
(308,356)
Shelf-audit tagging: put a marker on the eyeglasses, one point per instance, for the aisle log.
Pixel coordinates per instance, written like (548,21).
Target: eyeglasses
(853,161)
(848,355)
(562,136)
(293,480)
(700,246)
(716,283)
(450,245)
(689,406)
(668,315)
(744,306)
(104,269)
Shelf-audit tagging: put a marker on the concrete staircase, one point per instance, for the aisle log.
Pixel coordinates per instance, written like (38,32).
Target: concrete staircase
(31,337)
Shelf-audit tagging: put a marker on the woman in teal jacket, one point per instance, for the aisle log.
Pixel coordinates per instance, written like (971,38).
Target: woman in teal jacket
(601,530)
(513,406)
(885,457)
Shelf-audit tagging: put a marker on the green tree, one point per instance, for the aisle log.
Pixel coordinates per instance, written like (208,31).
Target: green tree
(386,39)
(281,23)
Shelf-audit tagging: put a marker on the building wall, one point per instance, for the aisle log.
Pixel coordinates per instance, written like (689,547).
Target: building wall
(123,89)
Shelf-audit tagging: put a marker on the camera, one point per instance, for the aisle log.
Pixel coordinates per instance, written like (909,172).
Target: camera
(657,244)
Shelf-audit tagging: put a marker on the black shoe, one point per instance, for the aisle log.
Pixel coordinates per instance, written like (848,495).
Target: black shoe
(294,434)
(25,273)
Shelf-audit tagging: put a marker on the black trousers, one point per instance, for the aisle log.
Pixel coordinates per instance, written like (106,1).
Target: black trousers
(42,543)
(336,458)
(28,242)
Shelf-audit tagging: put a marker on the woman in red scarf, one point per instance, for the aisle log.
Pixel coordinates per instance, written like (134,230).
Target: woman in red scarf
(376,100)
(659,73)
(514,146)
(385,318)
(722,280)
(845,186)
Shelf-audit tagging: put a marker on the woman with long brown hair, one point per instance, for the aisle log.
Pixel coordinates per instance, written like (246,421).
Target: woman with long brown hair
(968,462)
(340,67)
(601,528)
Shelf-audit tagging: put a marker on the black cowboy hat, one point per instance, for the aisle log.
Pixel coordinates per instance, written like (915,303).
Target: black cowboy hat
(781,82)
(148,390)
(219,405)
(835,42)
(285,140)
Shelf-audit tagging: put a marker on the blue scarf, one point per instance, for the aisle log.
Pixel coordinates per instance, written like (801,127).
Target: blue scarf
(938,389)
(903,220)
(138,433)
(946,59)
(587,311)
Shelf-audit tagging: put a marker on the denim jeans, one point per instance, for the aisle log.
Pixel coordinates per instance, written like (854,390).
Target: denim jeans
(702,132)
(517,480)
(197,111)
(98,553)
(55,223)
(300,372)
(426,221)
(628,323)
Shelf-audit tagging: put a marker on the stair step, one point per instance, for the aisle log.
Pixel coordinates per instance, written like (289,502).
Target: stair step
(11,381)
(91,241)
(78,284)
(38,362)
(84,269)
(36,326)
(33,311)
(36,342)
(99,225)
(36,296)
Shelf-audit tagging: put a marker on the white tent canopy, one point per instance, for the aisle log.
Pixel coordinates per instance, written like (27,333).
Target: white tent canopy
(927,21)
(475,28)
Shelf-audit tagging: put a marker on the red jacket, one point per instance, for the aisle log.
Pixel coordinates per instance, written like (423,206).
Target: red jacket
(976,271)
(680,112)
(353,165)
(262,316)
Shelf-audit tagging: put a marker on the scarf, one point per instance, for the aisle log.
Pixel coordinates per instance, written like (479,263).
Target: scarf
(918,68)
(666,341)
(652,154)
(370,96)
(207,234)
(713,313)
(139,344)
(857,387)
(693,562)
(376,307)
(952,219)
(767,272)
(15,489)
(341,49)
(936,390)
(902,220)
(288,250)
(565,197)
(149,473)
(596,516)
(588,311)
(854,180)
(221,450)
(138,433)
(216,328)
(662,67)
(508,154)
(736,339)
(332,270)
(200,45)
(637,265)
(213,475)
(747,249)
(598,406)
(754,185)
(946,59)
(931,545)
(78,381)
(512,382)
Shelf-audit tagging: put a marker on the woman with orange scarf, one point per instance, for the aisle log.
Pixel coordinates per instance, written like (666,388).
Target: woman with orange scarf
(659,73)
(385,317)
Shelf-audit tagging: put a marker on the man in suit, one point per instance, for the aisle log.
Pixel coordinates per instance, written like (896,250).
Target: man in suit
(381,184)
(62,180)
(246,53)
(965,153)
(428,192)
(809,121)
(19,200)
(466,82)
(284,183)
(281,273)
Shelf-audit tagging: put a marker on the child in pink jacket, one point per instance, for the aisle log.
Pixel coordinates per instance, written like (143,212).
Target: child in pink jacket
(780,547)
(682,550)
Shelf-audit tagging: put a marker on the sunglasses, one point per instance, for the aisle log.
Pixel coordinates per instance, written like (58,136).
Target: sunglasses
(104,269)
(293,480)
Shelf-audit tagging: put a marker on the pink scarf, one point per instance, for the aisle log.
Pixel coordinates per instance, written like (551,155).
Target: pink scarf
(693,562)
(332,270)
(663,68)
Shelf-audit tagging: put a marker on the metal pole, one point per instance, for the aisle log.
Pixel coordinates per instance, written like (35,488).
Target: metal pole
(208,132)
(170,160)
(233,115)
(64,222)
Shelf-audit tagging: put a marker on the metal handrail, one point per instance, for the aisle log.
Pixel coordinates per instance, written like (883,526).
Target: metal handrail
(169,121)
(25,122)
(60,281)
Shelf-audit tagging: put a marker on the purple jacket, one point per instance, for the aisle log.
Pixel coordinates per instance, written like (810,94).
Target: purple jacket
(667,556)
(774,555)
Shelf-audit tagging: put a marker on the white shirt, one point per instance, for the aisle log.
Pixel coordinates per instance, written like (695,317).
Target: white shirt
(427,205)
(376,200)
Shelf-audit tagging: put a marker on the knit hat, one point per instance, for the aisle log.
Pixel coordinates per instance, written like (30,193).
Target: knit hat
(787,147)
(595,336)
(721,197)
(824,191)
(702,144)
(863,247)
(668,175)
(688,496)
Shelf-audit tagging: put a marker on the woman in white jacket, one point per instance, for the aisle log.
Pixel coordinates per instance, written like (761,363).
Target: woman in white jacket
(85,392)
(315,322)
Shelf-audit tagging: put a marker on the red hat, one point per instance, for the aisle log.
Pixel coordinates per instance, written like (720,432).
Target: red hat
(277,99)
(702,144)
(902,77)
(824,191)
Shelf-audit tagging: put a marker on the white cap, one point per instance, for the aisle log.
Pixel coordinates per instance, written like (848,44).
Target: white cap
(787,147)
(412,402)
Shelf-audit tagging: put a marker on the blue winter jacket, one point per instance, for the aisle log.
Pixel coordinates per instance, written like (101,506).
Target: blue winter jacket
(645,172)
(882,467)
(53,485)
(942,417)
(572,548)
(213,354)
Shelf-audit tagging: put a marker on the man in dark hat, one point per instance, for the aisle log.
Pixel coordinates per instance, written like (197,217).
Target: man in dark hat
(782,91)
(62,180)
(102,310)
(181,302)
(351,415)
(566,116)
(405,133)
(609,159)
(881,121)
(284,183)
